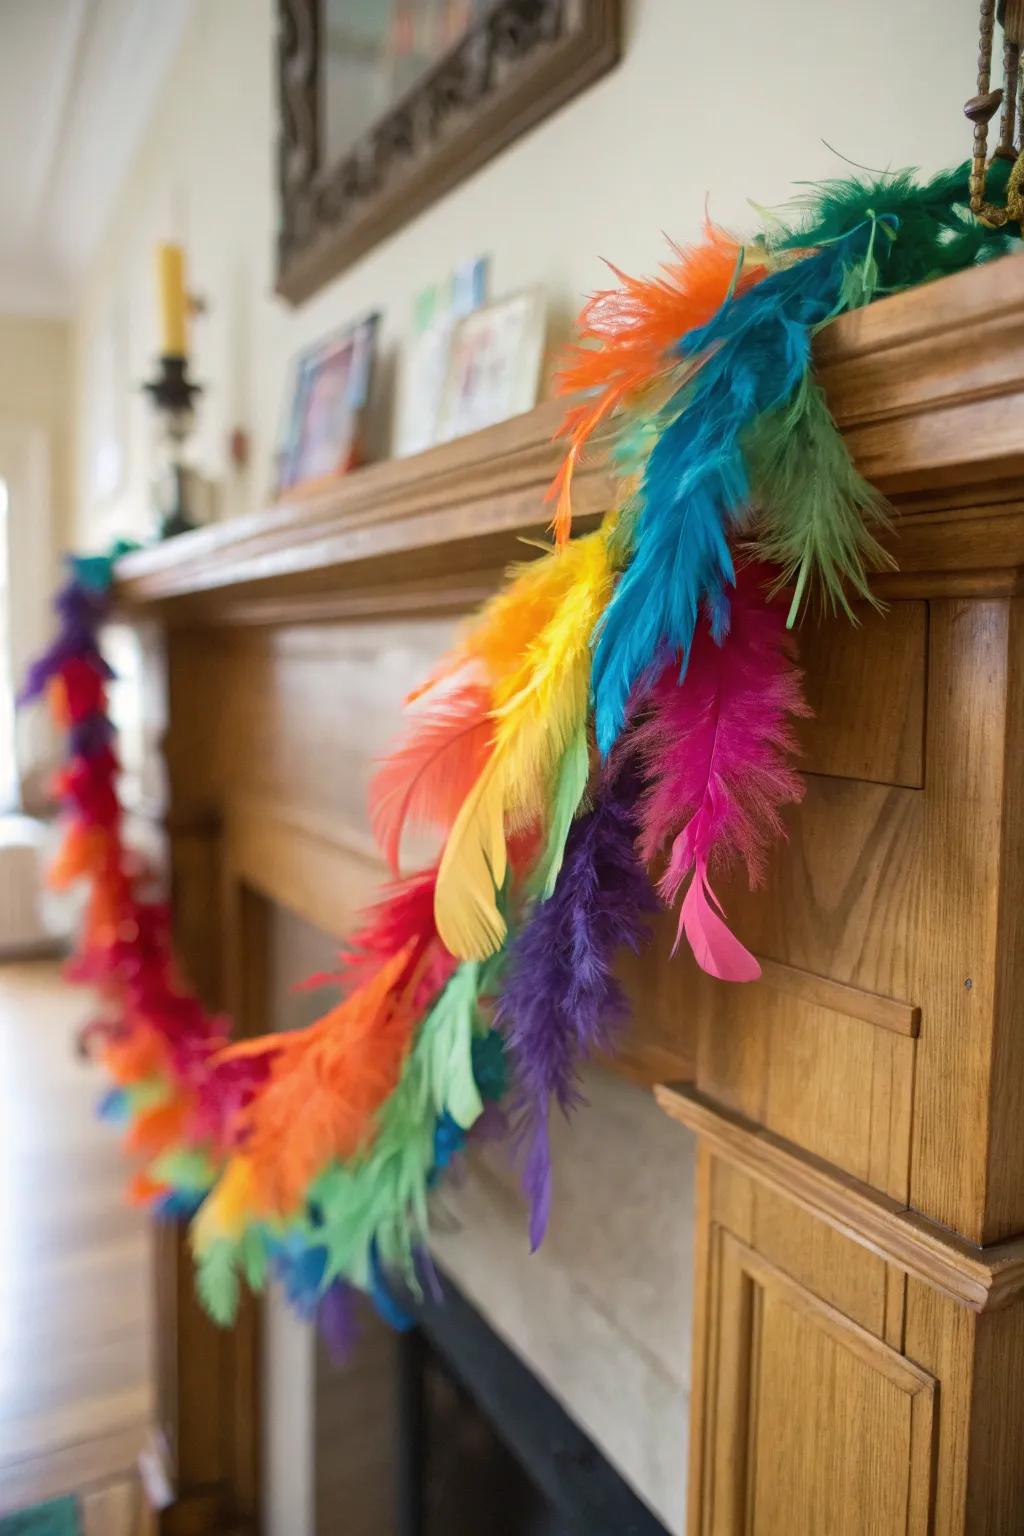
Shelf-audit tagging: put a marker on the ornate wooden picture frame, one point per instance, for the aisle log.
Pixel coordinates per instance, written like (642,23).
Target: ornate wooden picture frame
(523,60)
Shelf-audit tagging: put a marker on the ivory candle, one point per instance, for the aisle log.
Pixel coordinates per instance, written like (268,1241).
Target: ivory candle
(170,280)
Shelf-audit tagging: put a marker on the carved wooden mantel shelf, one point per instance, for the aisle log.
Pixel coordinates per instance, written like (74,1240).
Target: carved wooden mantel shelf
(860,1213)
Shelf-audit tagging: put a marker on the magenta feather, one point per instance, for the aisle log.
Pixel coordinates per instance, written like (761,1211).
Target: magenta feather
(715,750)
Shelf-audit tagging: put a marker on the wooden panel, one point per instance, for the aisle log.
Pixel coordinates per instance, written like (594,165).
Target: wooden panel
(980,1362)
(800,1244)
(791,1378)
(854,1002)
(835,1085)
(814,1254)
(311,867)
(1004,1213)
(842,897)
(995,1479)
(861,730)
(982,1279)
(968,1153)
(940,1337)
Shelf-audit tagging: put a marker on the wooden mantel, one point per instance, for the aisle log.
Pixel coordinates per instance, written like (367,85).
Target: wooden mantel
(926,386)
(859,1343)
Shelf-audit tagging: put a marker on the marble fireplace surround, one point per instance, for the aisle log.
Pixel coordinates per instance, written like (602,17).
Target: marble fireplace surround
(860,1168)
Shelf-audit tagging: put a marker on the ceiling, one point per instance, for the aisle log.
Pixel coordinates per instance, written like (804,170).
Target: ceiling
(78,82)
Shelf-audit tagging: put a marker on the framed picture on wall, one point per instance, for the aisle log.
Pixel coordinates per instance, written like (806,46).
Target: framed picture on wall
(385,105)
(324,431)
(494,365)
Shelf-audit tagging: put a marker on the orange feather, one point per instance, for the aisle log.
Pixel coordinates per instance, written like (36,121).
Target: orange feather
(426,779)
(320,1102)
(628,337)
(84,850)
(141,1054)
(158,1128)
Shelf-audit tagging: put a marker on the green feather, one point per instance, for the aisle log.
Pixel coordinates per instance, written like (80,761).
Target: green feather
(252,1258)
(816,512)
(217,1281)
(449,1051)
(380,1200)
(569,789)
(148,1093)
(185,1168)
(934,231)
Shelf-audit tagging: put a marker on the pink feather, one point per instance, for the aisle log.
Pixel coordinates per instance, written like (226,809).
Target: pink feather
(715,750)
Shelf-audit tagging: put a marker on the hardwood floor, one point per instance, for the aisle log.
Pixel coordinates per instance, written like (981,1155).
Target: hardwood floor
(75,1325)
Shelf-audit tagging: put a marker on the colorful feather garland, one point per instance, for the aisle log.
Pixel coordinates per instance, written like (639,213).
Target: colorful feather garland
(310,1156)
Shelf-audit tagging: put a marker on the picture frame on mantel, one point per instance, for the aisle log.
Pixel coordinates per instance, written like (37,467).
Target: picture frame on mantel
(373,127)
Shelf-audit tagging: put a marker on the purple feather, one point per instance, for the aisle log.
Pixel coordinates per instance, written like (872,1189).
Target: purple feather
(561,1001)
(337,1322)
(81,613)
(88,737)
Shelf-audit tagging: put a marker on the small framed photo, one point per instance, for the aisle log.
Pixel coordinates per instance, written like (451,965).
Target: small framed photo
(325,421)
(494,364)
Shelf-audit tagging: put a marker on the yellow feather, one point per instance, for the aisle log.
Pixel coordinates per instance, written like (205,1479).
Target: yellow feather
(542,704)
(472,869)
(228,1208)
(540,708)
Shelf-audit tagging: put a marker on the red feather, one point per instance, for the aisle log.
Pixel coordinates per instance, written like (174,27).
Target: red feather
(426,779)
(402,921)
(716,750)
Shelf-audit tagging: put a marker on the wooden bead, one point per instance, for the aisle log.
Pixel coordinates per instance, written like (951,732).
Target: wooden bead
(981,109)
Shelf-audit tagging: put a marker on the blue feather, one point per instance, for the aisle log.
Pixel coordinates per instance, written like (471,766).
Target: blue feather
(114,1107)
(178,1205)
(695,487)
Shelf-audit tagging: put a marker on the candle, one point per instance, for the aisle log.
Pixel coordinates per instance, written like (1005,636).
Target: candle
(170,280)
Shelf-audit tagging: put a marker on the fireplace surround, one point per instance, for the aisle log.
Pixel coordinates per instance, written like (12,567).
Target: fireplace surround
(860,1181)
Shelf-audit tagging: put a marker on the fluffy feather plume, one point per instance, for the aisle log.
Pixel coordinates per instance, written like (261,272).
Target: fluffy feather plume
(321,1094)
(815,512)
(426,779)
(540,711)
(561,1002)
(935,231)
(714,749)
(628,341)
(695,490)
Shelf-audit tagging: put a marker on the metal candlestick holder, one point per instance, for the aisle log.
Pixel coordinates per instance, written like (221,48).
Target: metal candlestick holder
(173,394)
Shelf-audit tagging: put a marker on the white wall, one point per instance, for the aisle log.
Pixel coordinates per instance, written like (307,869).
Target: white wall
(35,416)
(729,99)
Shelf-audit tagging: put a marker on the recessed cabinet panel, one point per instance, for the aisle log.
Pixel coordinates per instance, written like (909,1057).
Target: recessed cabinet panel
(813,1424)
(860,730)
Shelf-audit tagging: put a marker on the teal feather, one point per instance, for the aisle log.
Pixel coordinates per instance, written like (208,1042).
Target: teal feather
(696,490)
